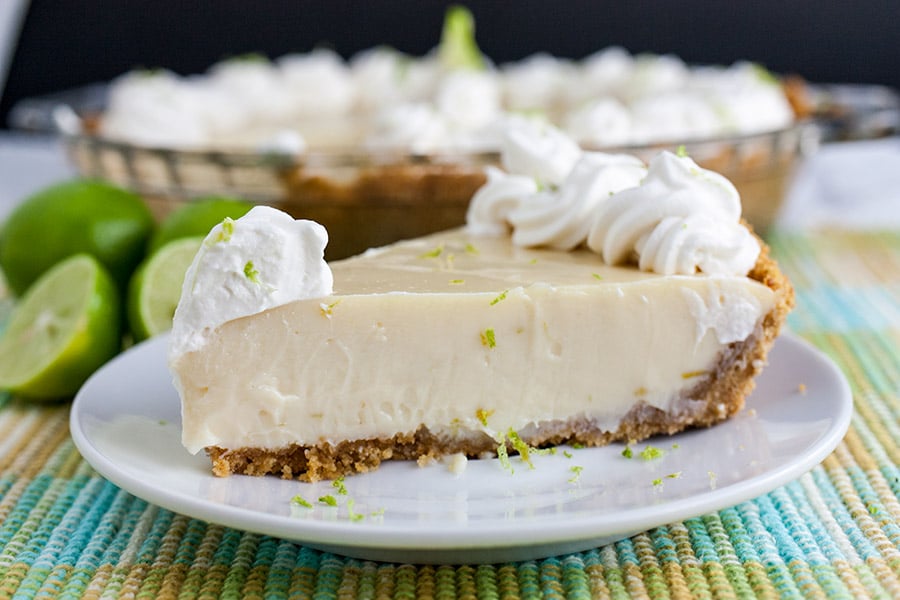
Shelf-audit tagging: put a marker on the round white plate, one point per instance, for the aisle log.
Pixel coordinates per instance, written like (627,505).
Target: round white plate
(126,423)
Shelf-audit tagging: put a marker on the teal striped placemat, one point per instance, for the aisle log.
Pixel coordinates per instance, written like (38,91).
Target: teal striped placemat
(833,533)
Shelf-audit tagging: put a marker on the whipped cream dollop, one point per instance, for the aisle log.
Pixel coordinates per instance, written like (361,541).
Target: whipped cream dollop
(680,219)
(262,260)
(672,216)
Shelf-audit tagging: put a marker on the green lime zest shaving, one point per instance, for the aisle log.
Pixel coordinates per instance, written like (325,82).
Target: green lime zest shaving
(328,309)
(597,276)
(578,445)
(500,298)
(627,452)
(488,339)
(471,249)
(250,272)
(457,281)
(503,455)
(681,151)
(226,231)
(567,454)
(533,261)
(338,484)
(432,253)
(329,500)
(377,512)
(352,514)
(301,501)
(674,475)
(657,482)
(651,453)
(576,473)
(482,415)
(520,446)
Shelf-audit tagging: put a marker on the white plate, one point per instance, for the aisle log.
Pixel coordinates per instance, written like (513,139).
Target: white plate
(126,423)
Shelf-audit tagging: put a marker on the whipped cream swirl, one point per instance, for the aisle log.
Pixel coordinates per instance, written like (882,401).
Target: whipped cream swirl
(262,260)
(563,220)
(671,217)
(680,219)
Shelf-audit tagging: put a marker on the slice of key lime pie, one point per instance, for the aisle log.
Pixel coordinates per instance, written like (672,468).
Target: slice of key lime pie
(590,298)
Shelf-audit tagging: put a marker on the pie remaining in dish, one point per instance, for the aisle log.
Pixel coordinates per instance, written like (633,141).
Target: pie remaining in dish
(590,299)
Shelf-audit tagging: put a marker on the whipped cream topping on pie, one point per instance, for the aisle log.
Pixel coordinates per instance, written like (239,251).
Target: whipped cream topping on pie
(609,98)
(264,259)
(672,215)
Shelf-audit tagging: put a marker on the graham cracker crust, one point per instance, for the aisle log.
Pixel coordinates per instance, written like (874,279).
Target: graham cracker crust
(711,401)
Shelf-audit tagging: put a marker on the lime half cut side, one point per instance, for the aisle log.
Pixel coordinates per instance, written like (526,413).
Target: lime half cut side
(155,289)
(65,327)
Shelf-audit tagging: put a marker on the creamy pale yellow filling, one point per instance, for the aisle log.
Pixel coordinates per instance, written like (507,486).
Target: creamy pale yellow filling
(462,335)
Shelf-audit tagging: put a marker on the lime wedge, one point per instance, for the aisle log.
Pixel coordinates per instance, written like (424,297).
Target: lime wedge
(65,327)
(155,289)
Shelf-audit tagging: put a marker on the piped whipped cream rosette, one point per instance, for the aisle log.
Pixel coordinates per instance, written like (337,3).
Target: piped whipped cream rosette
(671,216)
(680,219)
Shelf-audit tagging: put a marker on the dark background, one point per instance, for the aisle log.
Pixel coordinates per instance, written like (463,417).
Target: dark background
(67,43)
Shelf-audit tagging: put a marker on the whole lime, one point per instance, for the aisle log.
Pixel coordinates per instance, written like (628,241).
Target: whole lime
(79,216)
(196,218)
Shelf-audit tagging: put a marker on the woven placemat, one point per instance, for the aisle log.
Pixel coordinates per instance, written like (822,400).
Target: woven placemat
(834,533)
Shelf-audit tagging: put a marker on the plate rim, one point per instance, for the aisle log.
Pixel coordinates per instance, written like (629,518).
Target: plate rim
(548,531)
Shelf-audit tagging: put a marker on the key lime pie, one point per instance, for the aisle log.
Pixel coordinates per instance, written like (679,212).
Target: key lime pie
(590,298)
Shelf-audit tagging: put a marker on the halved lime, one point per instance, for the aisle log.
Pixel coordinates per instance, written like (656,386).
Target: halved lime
(155,289)
(65,327)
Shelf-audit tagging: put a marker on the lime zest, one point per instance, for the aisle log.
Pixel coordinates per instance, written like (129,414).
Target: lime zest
(226,231)
(681,151)
(520,446)
(503,455)
(657,482)
(301,501)
(627,452)
(433,253)
(488,338)
(251,273)
(482,415)
(578,445)
(328,309)
(352,514)
(533,261)
(567,454)
(597,276)
(651,453)
(675,475)
(328,499)
(457,281)
(338,484)
(500,297)
(471,249)
(576,473)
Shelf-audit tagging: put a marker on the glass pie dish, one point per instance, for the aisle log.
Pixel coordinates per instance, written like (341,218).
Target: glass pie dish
(368,198)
